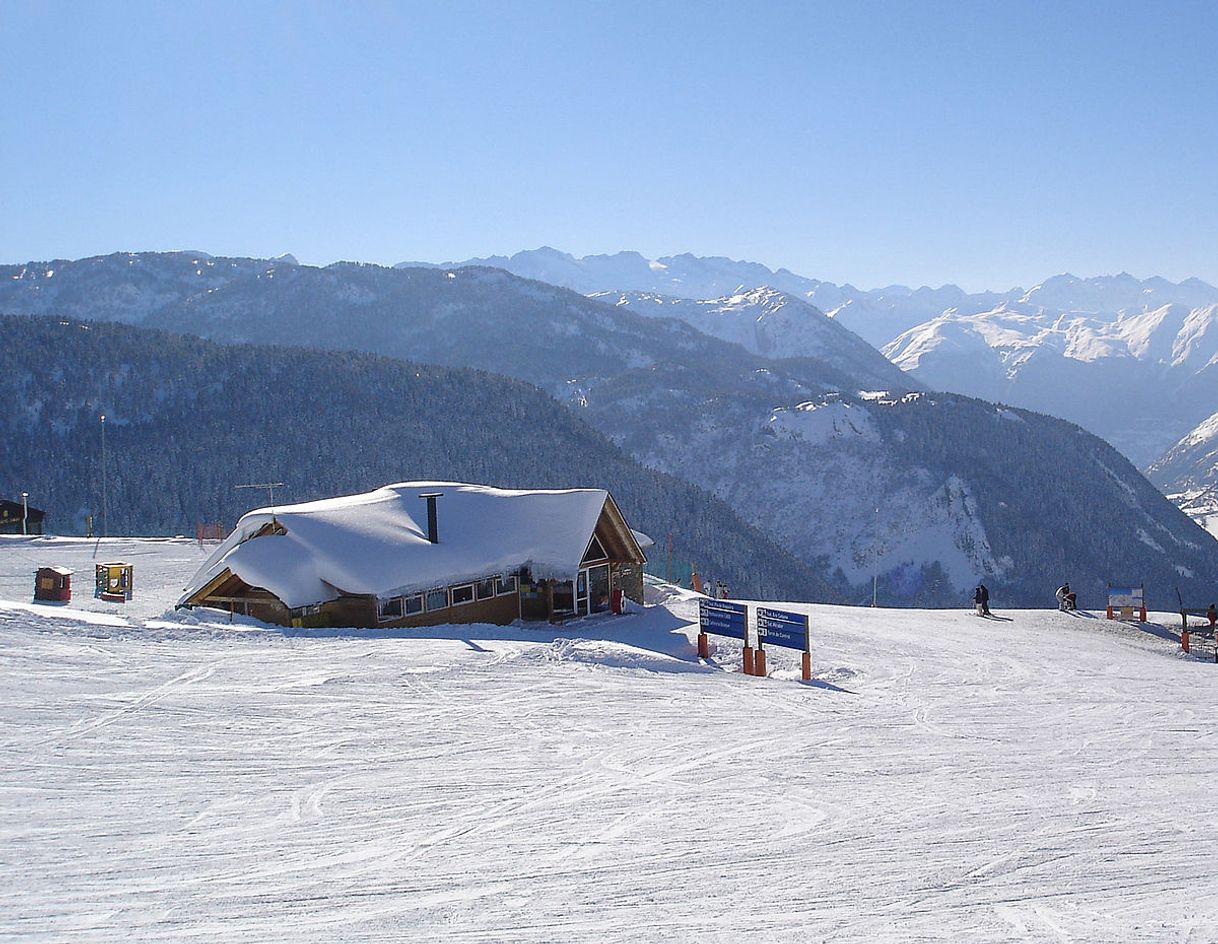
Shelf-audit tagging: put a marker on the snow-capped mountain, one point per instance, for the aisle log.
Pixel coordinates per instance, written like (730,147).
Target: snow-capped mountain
(1139,378)
(771,324)
(1188,473)
(1112,294)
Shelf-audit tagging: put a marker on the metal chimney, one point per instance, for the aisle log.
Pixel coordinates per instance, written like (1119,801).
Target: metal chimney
(433,531)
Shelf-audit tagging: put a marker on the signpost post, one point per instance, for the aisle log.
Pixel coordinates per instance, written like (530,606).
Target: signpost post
(780,628)
(722,618)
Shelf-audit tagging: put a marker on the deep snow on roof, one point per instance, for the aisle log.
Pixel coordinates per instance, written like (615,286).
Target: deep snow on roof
(376,543)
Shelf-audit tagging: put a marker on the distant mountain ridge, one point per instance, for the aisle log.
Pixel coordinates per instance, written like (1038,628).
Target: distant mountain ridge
(876,315)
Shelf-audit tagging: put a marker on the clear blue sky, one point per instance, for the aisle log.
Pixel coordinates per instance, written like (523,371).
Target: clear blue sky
(985,143)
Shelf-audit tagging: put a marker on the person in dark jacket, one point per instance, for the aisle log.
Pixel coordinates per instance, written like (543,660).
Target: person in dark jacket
(984,591)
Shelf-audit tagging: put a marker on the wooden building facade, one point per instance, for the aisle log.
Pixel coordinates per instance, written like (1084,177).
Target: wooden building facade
(566,568)
(11,513)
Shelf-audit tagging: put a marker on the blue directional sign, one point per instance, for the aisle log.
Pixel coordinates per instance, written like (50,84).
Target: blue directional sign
(779,628)
(721,618)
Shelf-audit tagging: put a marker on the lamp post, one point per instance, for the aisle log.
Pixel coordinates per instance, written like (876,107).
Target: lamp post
(25,511)
(105,496)
(270,487)
(875,568)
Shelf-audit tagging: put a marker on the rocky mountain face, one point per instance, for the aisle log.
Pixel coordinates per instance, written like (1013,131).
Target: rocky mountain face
(806,449)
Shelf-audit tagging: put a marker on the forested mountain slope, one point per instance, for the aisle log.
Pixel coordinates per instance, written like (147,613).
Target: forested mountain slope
(187,420)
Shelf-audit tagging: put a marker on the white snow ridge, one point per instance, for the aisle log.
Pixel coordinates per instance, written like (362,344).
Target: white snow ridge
(172,776)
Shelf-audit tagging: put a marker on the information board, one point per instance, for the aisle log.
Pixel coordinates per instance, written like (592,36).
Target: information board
(721,618)
(1125,597)
(780,628)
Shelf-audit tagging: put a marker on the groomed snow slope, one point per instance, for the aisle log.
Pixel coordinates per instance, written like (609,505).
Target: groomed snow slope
(1049,778)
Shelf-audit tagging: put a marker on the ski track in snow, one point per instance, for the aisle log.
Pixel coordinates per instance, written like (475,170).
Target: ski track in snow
(1048,779)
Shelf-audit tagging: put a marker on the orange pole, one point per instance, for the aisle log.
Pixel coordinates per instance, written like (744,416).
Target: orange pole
(1143,614)
(759,663)
(1110,612)
(1184,639)
(748,660)
(807,666)
(703,646)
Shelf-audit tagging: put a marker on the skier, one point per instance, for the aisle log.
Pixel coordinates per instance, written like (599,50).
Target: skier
(984,593)
(1066,598)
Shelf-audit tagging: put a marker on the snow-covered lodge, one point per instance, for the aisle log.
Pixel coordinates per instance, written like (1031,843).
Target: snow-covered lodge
(423,553)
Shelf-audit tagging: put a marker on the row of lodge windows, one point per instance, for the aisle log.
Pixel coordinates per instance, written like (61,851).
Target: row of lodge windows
(441,598)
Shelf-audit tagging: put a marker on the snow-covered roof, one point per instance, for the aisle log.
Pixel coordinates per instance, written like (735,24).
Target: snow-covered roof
(376,543)
(642,539)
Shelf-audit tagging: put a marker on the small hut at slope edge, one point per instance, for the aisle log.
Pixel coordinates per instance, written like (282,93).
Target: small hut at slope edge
(482,555)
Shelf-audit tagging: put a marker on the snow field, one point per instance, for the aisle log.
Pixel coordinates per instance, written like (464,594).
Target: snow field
(167,777)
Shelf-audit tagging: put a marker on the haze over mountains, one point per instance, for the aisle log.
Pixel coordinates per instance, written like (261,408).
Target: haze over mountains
(1133,360)
(805,448)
